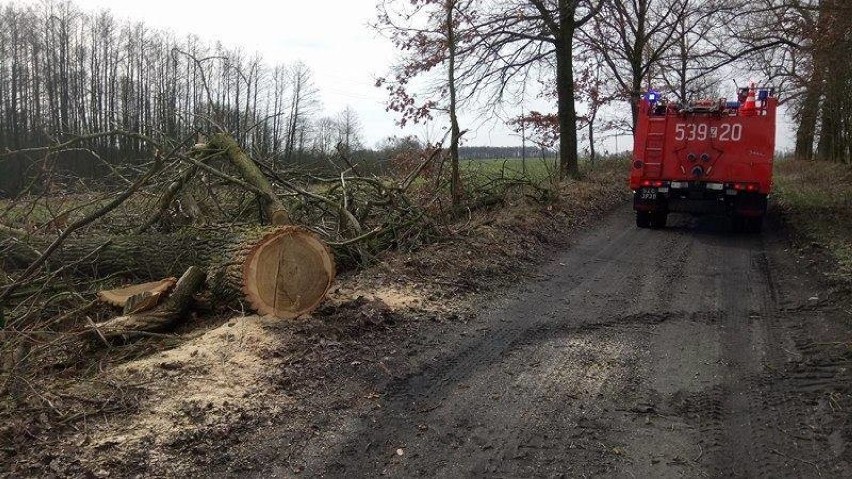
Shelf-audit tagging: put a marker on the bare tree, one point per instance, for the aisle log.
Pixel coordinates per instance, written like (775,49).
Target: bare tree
(796,44)
(324,137)
(348,131)
(633,38)
(429,32)
(455,132)
(303,103)
(500,46)
(700,47)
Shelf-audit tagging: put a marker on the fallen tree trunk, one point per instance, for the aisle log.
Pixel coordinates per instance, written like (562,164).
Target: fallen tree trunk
(283,271)
(280,271)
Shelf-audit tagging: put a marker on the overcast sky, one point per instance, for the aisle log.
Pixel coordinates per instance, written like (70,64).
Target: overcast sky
(333,38)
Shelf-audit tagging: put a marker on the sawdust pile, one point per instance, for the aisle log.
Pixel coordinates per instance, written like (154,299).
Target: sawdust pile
(197,385)
(214,381)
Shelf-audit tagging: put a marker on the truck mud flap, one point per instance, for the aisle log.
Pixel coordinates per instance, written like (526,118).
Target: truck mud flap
(750,205)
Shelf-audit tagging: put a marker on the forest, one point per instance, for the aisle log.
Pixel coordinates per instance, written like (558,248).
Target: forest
(65,72)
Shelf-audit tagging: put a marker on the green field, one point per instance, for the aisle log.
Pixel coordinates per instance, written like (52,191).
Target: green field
(533,169)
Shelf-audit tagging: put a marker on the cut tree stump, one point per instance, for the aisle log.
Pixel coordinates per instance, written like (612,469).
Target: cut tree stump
(287,273)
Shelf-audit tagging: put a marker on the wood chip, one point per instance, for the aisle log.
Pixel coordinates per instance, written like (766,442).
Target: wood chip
(118,297)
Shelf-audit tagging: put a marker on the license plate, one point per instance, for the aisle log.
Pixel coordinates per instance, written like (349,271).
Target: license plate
(648,195)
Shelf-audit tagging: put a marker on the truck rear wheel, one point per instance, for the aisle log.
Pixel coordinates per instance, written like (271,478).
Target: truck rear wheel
(643,219)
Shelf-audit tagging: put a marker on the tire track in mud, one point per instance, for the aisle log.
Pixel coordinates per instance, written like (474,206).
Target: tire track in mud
(560,342)
(427,394)
(717,291)
(509,327)
(747,419)
(810,389)
(740,448)
(639,353)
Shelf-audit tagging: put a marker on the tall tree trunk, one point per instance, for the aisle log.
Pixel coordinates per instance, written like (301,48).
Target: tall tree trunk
(831,146)
(455,182)
(567,112)
(808,116)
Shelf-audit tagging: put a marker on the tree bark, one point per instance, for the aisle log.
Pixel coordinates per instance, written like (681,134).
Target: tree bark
(283,272)
(455,183)
(249,171)
(567,112)
(831,139)
(810,109)
(808,115)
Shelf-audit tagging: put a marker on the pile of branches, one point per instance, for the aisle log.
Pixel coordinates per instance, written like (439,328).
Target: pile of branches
(360,215)
(65,239)
(59,238)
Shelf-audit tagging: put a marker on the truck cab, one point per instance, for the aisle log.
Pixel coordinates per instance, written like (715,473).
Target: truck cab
(705,157)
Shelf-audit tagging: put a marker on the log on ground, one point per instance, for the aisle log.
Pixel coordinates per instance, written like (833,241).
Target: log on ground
(281,271)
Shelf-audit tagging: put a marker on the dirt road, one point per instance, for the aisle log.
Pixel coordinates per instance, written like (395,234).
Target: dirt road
(686,352)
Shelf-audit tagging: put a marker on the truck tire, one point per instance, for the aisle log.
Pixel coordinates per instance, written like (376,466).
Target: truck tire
(659,220)
(643,219)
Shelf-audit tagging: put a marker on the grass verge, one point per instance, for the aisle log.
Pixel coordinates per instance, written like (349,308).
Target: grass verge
(815,201)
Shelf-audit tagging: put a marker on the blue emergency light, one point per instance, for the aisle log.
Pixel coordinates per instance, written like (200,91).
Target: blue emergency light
(652,96)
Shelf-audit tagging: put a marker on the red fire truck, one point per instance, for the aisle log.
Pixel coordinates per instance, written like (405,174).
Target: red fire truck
(706,157)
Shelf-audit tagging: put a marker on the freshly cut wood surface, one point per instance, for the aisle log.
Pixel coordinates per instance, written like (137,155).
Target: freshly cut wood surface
(288,273)
(165,316)
(143,302)
(118,297)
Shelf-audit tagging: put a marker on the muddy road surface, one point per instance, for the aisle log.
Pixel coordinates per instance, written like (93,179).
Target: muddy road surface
(686,352)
